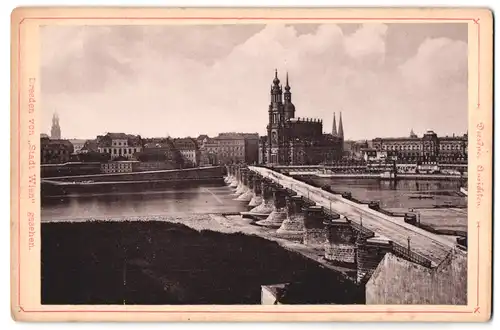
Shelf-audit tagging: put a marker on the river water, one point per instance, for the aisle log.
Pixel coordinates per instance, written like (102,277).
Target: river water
(176,203)
(219,199)
(400,194)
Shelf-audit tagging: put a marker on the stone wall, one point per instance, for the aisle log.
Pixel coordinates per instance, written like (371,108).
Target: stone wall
(369,253)
(398,281)
(340,245)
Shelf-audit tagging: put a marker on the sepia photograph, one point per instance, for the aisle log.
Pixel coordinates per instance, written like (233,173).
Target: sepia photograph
(255,163)
(179,165)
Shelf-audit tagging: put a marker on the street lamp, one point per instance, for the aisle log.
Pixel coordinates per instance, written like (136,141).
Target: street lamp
(409,239)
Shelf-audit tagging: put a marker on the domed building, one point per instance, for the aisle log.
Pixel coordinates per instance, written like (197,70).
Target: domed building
(295,141)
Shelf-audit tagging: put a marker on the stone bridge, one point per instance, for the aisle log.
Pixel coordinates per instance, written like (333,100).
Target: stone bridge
(358,236)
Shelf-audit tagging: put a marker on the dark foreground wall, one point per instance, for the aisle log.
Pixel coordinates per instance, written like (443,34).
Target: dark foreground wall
(165,263)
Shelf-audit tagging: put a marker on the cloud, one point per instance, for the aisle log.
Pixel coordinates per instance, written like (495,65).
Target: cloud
(369,40)
(189,80)
(438,61)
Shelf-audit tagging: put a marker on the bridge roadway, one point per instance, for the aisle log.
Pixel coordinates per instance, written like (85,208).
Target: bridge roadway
(429,245)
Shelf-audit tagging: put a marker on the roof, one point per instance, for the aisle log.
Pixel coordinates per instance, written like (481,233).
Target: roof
(453,138)
(405,138)
(132,140)
(238,136)
(185,144)
(117,135)
(56,142)
(77,141)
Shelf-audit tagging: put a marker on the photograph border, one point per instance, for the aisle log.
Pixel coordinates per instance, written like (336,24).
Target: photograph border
(24,20)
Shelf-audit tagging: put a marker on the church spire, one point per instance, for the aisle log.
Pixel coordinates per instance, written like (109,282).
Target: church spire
(276,90)
(341,127)
(287,93)
(334,128)
(412,134)
(55,132)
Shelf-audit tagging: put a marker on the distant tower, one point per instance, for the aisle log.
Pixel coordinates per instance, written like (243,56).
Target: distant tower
(341,127)
(289,107)
(334,128)
(412,134)
(55,132)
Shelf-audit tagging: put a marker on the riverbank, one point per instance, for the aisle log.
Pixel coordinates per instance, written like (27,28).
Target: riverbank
(160,262)
(399,176)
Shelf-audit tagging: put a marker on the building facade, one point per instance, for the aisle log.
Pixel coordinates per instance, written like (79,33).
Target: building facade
(428,148)
(189,151)
(160,150)
(119,167)
(230,148)
(119,145)
(78,145)
(55,151)
(296,141)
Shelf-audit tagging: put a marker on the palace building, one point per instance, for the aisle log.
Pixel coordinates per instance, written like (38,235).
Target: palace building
(296,141)
(428,148)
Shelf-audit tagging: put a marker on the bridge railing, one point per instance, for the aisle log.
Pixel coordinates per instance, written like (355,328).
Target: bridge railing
(412,256)
(367,233)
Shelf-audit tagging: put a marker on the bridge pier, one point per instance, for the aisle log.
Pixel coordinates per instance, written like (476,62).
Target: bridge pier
(241,188)
(341,241)
(235,182)
(292,227)
(229,177)
(266,207)
(278,214)
(247,195)
(369,253)
(257,192)
(315,233)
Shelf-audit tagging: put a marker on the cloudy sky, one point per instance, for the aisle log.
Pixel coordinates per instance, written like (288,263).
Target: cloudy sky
(190,80)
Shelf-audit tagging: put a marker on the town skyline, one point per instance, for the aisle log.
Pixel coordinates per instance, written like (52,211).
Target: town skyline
(419,134)
(416,75)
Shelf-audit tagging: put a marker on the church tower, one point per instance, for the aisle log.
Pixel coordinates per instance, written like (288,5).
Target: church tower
(341,127)
(334,128)
(55,132)
(276,153)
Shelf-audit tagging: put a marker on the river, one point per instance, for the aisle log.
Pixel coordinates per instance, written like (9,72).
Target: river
(218,199)
(400,194)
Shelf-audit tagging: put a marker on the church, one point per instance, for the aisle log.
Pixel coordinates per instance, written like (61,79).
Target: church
(296,141)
